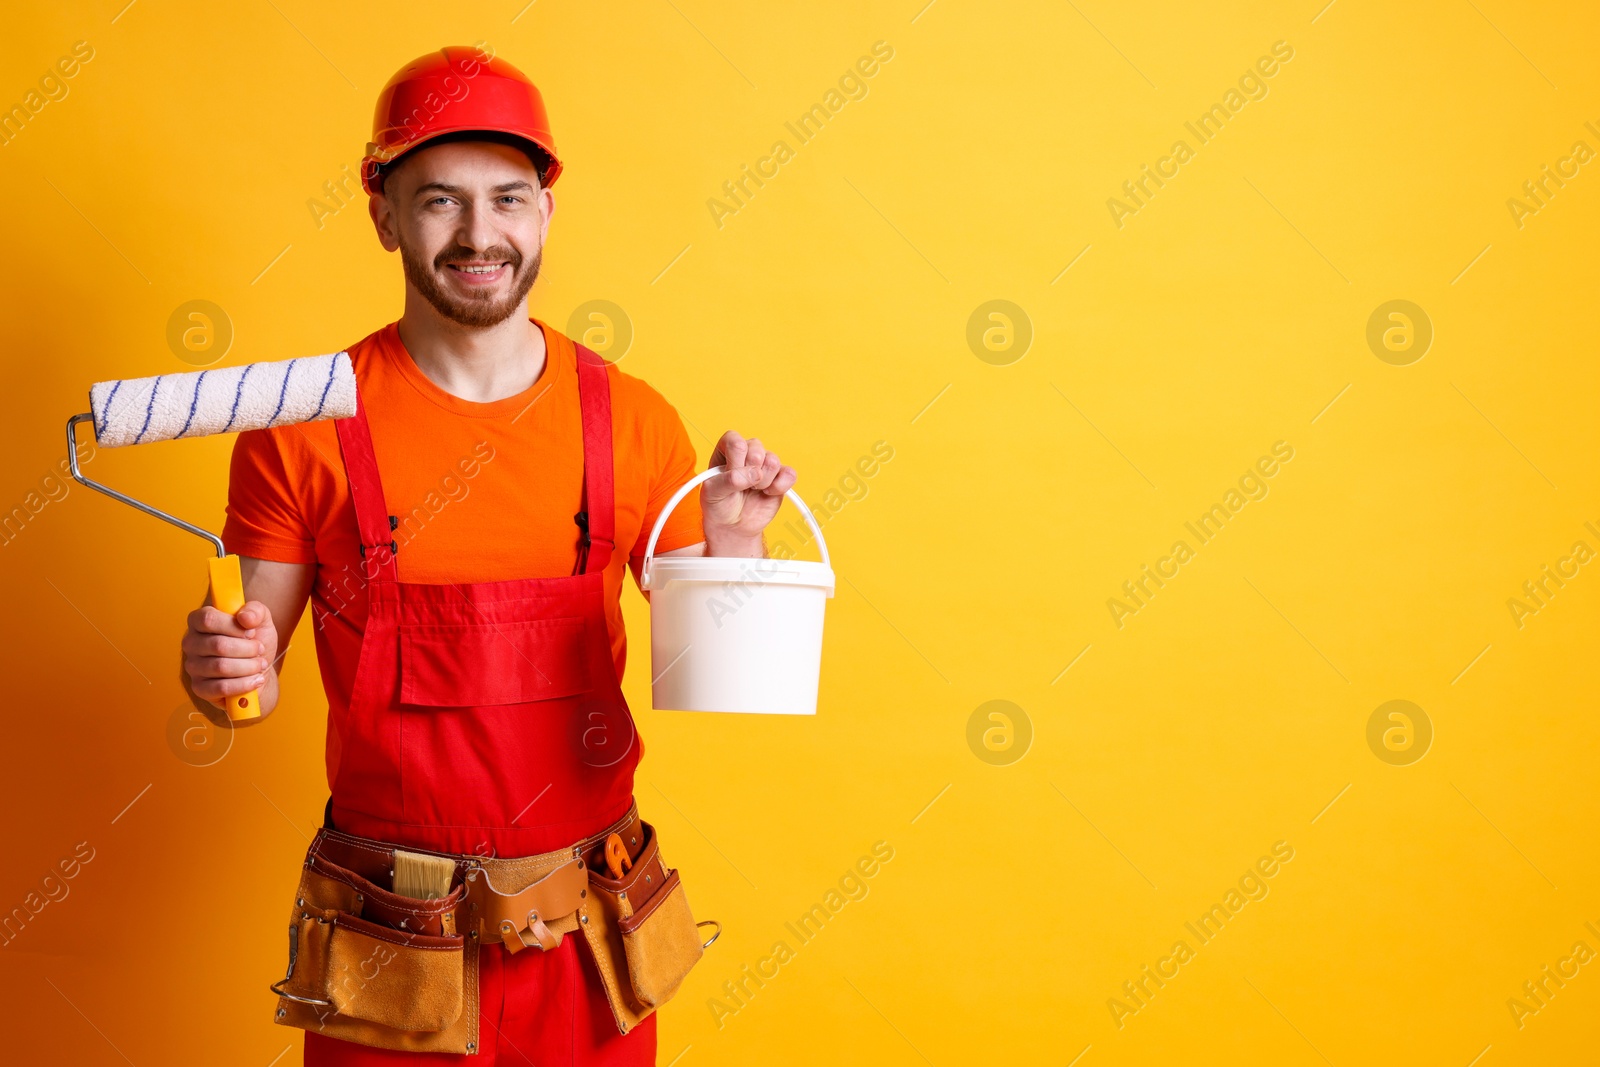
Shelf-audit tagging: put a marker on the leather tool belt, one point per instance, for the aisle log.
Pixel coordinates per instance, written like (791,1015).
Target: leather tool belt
(370,966)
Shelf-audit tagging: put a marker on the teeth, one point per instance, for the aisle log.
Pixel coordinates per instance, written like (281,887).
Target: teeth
(481,270)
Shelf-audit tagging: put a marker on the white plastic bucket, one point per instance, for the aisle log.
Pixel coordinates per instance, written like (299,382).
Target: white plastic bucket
(735,634)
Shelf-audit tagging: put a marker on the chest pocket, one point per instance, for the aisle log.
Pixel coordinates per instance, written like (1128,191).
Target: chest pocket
(480,664)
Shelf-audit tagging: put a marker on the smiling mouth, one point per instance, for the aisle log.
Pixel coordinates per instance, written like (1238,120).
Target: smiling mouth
(477,268)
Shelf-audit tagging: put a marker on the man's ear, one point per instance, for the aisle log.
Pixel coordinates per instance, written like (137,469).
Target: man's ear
(548,200)
(383,221)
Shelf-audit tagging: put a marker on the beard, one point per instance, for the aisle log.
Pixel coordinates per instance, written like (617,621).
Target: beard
(471,309)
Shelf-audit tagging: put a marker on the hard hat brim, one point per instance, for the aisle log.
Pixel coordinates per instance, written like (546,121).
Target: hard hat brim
(375,169)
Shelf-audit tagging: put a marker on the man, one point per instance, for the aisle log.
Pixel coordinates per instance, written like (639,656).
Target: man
(462,542)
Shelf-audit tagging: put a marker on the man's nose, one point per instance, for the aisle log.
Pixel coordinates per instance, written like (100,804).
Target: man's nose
(478,231)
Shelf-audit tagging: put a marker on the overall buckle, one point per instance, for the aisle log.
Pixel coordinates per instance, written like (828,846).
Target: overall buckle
(393,547)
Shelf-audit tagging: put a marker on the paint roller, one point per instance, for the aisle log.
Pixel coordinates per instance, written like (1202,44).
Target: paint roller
(168,407)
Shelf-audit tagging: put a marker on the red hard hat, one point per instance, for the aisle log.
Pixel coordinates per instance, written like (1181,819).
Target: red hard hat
(449,91)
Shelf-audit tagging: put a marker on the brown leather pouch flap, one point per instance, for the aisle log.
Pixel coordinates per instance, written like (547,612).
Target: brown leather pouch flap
(661,943)
(386,976)
(557,893)
(371,984)
(642,967)
(504,916)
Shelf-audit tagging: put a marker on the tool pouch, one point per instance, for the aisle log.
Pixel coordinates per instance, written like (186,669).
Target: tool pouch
(374,968)
(392,978)
(661,943)
(641,933)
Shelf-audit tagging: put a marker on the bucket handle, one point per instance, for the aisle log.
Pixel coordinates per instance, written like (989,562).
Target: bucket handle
(661,520)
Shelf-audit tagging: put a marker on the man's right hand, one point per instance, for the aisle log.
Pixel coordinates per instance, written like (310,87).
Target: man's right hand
(226,655)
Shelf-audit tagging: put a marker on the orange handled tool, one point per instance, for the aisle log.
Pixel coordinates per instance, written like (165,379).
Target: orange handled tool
(618,862)
(227,594)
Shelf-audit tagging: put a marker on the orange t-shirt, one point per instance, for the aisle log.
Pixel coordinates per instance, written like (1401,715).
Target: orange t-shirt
(483,492)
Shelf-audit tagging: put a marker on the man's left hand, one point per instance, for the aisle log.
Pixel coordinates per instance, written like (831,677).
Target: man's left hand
(737,504)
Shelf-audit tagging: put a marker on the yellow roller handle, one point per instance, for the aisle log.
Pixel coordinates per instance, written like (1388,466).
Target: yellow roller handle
(227,594)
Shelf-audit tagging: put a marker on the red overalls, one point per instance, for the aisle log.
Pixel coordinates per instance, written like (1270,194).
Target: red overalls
(487,718)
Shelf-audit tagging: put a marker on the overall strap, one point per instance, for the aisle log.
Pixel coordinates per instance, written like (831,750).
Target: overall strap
(373,521)
(597,520)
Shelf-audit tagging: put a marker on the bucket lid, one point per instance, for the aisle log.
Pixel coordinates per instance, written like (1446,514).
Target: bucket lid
(746,571)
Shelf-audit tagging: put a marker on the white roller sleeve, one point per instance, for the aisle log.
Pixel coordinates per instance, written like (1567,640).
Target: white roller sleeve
(136,411)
